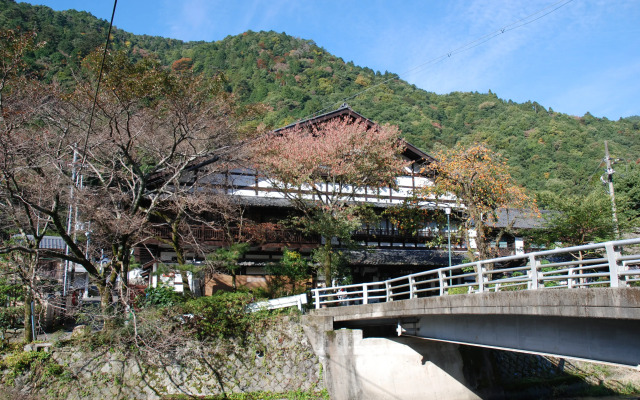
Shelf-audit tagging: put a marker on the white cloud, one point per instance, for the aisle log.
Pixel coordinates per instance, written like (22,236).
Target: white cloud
(192,19)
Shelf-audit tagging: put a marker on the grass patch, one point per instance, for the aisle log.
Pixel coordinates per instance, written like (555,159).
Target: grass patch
(293,395)
(38,363)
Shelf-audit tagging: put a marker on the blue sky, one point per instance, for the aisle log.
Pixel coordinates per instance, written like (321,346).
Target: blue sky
(583,57)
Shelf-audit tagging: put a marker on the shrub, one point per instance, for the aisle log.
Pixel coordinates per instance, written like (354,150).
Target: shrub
(11,317)
(162,296)
(21,362)
(458,290)
(222,315)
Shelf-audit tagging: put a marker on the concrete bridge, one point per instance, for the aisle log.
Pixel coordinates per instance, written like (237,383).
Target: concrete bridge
(580,303)
(598,325)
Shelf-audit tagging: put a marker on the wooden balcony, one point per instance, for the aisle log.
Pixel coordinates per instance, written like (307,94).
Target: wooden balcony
(206,234)
(282,237)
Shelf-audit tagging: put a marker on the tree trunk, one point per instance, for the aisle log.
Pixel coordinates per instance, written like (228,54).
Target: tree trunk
(175,241)
(327,262)
(106,301)
(28,332)
(29,296)
(481,241)
(121,261)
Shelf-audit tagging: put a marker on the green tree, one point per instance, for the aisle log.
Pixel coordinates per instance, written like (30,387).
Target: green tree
(226,258)
(575,220)
(293,266)
(627,190)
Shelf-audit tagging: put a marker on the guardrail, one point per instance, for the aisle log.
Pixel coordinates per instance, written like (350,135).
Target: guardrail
(610,264)
(282,302)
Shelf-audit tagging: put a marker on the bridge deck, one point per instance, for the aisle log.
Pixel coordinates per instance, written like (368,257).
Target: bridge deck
(597,324)
(618,303)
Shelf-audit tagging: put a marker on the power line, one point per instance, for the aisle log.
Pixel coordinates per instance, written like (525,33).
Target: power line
(593,173)
(95,97)
(465,47)
(75,173)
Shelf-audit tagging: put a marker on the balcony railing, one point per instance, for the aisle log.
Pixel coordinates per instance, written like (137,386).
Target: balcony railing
(424,236)
(203,233)
(382,232)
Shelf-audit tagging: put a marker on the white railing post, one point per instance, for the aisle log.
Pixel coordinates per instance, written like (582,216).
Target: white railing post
(387,287)
(614,268)
(365,294)
(412,282)
(533,272)
(317,296)
(441,281)
(570,279)
(299,303)
(480,277)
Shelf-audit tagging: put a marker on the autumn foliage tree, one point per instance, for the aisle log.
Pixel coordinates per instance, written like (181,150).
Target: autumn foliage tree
(323,167)
(118,163)
(183,64)
(149,127)
(21,97)
(481,184)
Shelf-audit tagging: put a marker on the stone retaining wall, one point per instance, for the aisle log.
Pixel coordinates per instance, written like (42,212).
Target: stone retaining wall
(281,360)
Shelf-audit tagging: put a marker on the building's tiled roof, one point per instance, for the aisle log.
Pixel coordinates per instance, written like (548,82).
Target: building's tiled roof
(52,242)
(417,257)
(518,219)
(48,242)
(263,201)
(411,151)
(344,109)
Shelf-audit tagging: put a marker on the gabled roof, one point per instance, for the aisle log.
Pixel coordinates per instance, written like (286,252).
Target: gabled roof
(343,111)
(518,219)
(411,151)
(47,242)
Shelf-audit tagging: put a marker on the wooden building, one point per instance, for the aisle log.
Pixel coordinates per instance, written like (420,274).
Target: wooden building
(385,252)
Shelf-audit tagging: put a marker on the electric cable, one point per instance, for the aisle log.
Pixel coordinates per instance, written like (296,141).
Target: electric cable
(95,97)
(592,174)
(465,47)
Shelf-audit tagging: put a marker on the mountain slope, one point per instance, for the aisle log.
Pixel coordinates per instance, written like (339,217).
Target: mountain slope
(547,150)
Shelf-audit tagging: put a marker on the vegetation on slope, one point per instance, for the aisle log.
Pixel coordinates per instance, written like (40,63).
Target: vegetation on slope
(295,78)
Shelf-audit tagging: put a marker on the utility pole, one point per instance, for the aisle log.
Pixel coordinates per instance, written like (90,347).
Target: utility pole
(66,280)
(448,212)
(610,172)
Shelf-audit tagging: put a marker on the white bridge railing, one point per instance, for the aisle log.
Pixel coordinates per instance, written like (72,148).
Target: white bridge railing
(609,264)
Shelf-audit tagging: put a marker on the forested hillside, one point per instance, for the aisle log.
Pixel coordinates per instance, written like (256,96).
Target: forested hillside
(295,78)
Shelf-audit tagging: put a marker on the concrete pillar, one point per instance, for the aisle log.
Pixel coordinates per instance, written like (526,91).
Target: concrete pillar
(392,369)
